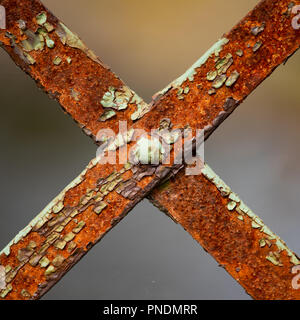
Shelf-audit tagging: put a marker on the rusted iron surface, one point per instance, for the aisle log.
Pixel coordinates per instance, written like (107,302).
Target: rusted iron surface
(196,99)
(231,233)
(68,227)
(64,67)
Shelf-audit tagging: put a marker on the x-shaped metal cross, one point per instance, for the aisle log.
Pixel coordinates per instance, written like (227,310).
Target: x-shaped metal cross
(103,194)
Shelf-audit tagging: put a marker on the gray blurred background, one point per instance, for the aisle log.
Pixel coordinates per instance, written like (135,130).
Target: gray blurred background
(148,44)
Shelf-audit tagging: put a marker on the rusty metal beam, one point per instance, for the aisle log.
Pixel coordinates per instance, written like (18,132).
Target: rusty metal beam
(229,231)
(175,97)
(64,67)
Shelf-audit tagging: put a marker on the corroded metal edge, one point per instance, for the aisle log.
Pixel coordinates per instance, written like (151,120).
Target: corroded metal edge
(231,232)
(62,66)
(42,217)
(191,72)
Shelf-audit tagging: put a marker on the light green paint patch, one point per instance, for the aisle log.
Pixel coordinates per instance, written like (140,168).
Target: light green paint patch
(234,197)
(57,61)
(8,268)
(100,207)
(211,91)
(42,31)
(72,245)
(211,176)
(232,78)
(190,73)
(49,27)
(219,81)
(262,243)
(123,97)
(58,261)
(31,245)
(59,229)
(180,95)
(129,135)
(142,107)
(29,58)
(69,60)
(231,205)
(243,209)
(148,151)
(274,258)
(98,197)
(240,217)
(186,90)
(222,65)
(69,237)
(75,95)
(6,291)
(239,52)
(108,98)
(79,227)
(255,225)
(45,215)
(44,262)
(52,237)
(67,37)
(211,75)
(257,46)
(74,213)
(50,270)
(41,18)
(58,207)
(60,244)
(50,43)
(34,41)
(108,114)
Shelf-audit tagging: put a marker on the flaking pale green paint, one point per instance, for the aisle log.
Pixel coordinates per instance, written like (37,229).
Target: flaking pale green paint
(190,73)
(257,223)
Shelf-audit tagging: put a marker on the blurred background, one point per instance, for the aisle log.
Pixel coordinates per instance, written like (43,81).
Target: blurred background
(148,44)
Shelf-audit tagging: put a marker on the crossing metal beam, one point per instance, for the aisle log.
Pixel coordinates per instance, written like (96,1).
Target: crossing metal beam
(95,98)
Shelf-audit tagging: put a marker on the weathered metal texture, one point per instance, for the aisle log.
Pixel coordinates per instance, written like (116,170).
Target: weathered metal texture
(65,68)
(71,224)
(207,111)
(229,231)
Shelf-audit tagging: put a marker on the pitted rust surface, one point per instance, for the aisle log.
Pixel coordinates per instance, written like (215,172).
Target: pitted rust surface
(233,235)
(64,67)
(87,209)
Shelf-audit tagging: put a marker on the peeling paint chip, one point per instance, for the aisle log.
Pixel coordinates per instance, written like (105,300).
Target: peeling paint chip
(107,115)
(41,18)
(60,244)
(232,78)
(57,61)
(50,270)
(219,81)
(100,207)
(257,45)
(58,260)
(211,75)
(258,29)
(44,262)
